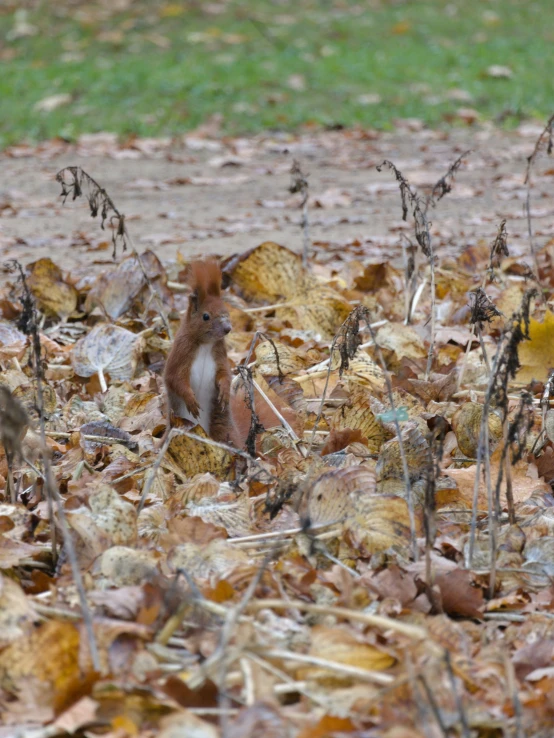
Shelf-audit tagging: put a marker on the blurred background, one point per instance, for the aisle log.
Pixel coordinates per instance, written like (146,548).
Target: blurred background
(153,68)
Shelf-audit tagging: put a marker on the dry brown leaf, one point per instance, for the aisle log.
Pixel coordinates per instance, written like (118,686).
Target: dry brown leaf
(124,566)
(380,522)
(47,284)
(218,557)
(225,511)
(340,645)
(458,596)
(17,613)
(355,414)
(362,370)
(466,423)
(270,273)
(43,667)
(338,440)
(403,340)
(274,274)
(536,356)
(107,349)
(187,457)
(290,360)
(335,494)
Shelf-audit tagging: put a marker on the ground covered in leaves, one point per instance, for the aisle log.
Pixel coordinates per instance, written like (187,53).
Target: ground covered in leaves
(378,564)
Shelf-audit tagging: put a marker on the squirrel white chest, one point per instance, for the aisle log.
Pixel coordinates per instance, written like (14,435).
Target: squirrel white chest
(202,382)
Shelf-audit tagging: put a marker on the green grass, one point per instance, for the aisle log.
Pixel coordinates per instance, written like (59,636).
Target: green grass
(163,68)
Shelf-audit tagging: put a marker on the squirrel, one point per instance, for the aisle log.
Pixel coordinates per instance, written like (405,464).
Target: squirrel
(197,373)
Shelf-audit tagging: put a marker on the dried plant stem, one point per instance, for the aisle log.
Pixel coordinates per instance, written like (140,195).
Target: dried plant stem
(464,362)
(512,689)
(431,352)
(290,683)
(546,132)
(491,504)
(466,733)
(86,437)
(334,666)
(99,199)
(415,632)
(483,349)
(51,487)
(405,469)
(286,425)
(299,183)
(482,452)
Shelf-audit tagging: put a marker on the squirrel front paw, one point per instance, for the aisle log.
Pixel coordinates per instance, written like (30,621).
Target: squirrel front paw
(192,406)
(223,393)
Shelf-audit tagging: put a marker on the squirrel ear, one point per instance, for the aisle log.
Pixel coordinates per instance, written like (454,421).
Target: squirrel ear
(194,300)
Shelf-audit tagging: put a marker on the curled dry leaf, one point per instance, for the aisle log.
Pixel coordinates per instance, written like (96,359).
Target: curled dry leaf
(362,370)
(380,522)
(17,613)
(203,561)
(226,511)
(102,428)
(274,274)
(458,595)
(289,360)
(338,440)
(44,666)
(106,349)
(337,644)
(355,414)
(116,290)
(334,496)
(124,567)
(12,341)
(402,340)
(27,395)
(270,273)
(53,294)
(466,423)
(187,457)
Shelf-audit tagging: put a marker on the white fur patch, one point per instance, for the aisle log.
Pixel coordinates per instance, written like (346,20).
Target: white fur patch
(202,382)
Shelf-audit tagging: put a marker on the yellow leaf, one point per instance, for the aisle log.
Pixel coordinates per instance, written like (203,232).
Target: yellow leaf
(47,285)
(536,356)
(336,644)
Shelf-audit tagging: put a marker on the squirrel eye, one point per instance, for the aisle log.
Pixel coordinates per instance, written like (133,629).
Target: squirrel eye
(206,316)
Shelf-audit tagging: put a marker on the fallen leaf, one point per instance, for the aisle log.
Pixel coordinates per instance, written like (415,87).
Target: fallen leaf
(106,349)
(536,356)
(53,294)
(458,596)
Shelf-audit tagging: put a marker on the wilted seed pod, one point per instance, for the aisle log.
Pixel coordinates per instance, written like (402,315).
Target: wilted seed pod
(466,423)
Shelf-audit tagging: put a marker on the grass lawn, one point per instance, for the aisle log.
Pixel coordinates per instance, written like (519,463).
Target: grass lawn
(154,68)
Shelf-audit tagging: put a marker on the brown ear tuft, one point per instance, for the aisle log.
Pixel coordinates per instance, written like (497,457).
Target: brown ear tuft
(205,278)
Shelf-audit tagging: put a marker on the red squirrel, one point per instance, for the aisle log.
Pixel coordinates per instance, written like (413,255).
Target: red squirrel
(197,373)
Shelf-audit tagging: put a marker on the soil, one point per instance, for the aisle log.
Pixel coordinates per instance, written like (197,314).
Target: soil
(200,195)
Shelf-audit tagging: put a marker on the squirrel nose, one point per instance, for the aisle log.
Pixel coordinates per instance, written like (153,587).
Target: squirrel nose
(226,325)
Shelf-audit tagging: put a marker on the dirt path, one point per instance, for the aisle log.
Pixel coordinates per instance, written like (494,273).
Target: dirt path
(208,196)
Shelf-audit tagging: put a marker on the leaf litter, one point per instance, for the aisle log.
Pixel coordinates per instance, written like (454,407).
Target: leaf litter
(377,562)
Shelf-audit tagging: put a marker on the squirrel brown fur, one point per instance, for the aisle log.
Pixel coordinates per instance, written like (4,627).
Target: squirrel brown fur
(197,373)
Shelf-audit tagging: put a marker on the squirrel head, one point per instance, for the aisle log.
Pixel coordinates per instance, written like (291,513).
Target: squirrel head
(208,316)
